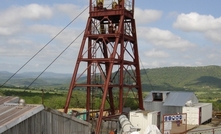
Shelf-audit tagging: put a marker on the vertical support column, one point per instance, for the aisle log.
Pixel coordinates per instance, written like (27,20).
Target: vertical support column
(138,77)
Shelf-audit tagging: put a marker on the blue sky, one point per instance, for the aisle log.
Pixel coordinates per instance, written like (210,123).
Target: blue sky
(170,33)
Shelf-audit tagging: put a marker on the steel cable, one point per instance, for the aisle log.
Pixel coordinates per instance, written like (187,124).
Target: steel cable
(46,46)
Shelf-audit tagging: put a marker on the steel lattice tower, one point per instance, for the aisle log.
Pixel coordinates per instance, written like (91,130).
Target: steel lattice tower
(109,57)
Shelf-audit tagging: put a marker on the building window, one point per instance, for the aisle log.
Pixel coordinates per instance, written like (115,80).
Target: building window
(157,97)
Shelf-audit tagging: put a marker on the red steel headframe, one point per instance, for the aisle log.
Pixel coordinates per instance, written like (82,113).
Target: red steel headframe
(108,56)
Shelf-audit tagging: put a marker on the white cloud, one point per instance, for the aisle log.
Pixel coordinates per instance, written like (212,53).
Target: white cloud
(36,65)
(23,35)
(26,29)
(156,54)
(208,25)
(35,12)
(6,31)
(146,16)
(15,14)
(163,38)
(214,35)
(72,11)
(44,29)
(196,22)
(65,38)
(14,18)
(19,41)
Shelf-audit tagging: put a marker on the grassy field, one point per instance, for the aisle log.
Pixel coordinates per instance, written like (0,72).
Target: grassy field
(56,98)
(52,99)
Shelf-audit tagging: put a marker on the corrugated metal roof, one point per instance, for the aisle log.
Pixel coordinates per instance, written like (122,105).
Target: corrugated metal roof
(8,99)
(173,98)
(178,98)
(12,113)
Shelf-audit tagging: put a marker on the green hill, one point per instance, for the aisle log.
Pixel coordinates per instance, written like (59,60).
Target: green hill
(167,78)
(182,78)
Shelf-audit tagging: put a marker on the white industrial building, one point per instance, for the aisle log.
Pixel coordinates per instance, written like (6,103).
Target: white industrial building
(16,117)
(171,102)
(144,120)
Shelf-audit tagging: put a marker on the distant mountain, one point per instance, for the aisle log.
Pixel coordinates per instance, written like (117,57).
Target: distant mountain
(166,78)
(26,78)
(4,74)
(48,75)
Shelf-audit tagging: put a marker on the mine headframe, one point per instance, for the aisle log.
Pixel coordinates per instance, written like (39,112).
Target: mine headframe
(108,57)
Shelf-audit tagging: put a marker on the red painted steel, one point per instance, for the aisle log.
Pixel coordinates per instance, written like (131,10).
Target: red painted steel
(108,57)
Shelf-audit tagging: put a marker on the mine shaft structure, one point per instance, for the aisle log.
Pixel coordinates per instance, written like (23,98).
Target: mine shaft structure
(108,58)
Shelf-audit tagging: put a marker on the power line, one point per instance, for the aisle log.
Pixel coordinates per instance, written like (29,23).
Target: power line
(55,59)
(146,75)
(46,46)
